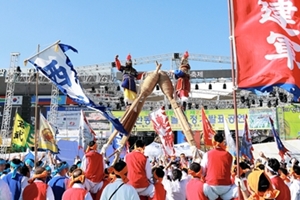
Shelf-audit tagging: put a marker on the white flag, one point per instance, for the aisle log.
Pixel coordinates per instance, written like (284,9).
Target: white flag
(162,127)
(229,140)
(54,64)
(86,133)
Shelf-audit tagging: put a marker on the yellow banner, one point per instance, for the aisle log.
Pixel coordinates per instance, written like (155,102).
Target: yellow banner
(216,118)
(21,133)
(47,139)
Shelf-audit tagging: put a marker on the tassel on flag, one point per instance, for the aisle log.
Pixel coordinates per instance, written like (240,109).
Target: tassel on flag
(280,146)
(246,147)
(86,133)
(208,131)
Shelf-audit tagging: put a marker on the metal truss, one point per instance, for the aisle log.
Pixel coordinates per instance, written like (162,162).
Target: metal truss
(12,74)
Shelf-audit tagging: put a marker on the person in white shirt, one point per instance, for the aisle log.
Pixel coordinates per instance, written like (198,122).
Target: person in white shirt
(5,191)
(38,189)
(118,188)
(295,185)
(77,189)
(175,186)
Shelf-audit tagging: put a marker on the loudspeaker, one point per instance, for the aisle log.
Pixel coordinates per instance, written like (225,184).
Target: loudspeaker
(26,109)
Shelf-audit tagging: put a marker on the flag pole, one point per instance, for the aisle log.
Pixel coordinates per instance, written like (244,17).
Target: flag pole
(36,111)
(234,81)
(25,61)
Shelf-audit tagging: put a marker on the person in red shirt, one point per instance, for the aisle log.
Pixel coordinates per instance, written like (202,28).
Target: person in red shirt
(271,169)
(77,190)
(194,188)
(139,170)
(93,166)
(38,189)
(160,192)
(216,166)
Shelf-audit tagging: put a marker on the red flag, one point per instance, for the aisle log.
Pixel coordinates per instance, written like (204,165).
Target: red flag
(162,127)
(208,131)
(267,39)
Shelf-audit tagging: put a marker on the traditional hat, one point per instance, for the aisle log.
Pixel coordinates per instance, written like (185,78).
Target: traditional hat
(185,61)
(129,62)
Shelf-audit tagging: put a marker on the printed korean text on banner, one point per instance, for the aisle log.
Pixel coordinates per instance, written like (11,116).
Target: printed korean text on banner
(208,131)
(246,147)
(22,135)
(162,127)
(54,64)
(229,140)
(47,136)
(280,146)
(267,38)
(86,133)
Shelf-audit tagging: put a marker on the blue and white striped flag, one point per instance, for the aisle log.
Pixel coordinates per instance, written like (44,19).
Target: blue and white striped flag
(54,64)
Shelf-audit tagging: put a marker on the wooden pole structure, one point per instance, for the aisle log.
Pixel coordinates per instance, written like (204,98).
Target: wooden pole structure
(234,81)
(36,135)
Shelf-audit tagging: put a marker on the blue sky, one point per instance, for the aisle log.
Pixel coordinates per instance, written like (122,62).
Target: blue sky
(101,29)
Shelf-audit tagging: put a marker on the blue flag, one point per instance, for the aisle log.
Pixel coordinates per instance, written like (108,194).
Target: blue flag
(280,146)
(246,147)
(54,64)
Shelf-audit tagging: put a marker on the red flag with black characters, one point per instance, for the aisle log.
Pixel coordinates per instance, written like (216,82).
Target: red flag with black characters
(267,42)
(208,131)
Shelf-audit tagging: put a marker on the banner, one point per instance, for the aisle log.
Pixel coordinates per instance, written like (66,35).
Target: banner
(86,134)
(163,129)
(259,118)
(215,117)
(271,27)
(47,136)
(291,122)
(22,135)
(54,64)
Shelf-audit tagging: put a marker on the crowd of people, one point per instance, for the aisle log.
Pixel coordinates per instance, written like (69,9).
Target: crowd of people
(217,176)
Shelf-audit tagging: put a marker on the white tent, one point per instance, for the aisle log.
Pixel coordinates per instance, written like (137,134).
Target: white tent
(270,149)
(153,150)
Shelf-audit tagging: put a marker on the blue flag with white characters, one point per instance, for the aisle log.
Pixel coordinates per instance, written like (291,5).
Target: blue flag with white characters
(54,64)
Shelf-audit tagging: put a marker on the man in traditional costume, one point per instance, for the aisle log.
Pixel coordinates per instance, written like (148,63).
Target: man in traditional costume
(160,192)
(139,170)
(271,169)
(194,188)
(15,180)
(38,189)
(59,182)
(183,85)
(129,77)
(93,166)
(119,187)
(77,190)
(216,167)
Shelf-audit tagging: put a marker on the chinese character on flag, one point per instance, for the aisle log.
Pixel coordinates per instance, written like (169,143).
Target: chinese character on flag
(162,127)
(208,131)
(267,42)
